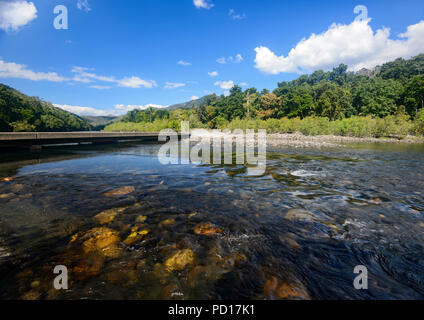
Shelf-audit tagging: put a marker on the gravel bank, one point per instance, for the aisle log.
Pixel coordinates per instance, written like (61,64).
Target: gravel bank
(299,140)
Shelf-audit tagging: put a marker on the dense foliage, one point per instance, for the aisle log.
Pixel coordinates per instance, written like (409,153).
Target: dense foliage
(21,113)
(394,91)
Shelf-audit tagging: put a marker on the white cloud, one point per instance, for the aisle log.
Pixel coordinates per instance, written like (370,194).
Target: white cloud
(194,98)
(84,111)
(235,15)
(100,87)
(173,85)
(203,4)
(222,60)
(356,45)
(83,5)
(84,75)
(16,14)
(244,84)
(20,71)
(213,74)
(118,110)
(226,85)
(136,82)
(184,63)
(237,59)
(80,79)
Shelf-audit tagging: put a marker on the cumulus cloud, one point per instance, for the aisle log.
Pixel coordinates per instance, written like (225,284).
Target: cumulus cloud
(118,109)
(84,111)
(203,4)
(20,71)
(237,59)
(184,63)
(356,45)
(83,75)
(16,14)
(83,5)
(235,15)
(194,98)
(213,74)
(173,85)
(226,85)
(136,82)
(86,75)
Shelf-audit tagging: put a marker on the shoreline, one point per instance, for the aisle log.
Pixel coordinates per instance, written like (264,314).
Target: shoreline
(301,140)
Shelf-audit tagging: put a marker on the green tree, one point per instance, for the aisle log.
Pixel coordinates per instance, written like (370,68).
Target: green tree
(414,95)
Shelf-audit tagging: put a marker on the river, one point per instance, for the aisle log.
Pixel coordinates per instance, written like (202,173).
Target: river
(127,227)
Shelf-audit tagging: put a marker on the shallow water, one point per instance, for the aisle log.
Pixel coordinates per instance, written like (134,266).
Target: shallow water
(364,206)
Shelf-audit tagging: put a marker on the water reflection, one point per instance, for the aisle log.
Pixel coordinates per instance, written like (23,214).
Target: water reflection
(128,227)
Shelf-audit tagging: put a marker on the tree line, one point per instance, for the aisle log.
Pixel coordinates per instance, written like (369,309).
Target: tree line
(394,88)
(21,113)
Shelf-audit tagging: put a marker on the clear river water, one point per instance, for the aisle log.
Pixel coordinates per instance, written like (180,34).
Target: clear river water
(127,227)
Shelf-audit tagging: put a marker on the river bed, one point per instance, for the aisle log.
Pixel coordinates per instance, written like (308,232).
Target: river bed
(128,227)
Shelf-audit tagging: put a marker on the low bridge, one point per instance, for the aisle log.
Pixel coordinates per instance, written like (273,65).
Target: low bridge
(38,139)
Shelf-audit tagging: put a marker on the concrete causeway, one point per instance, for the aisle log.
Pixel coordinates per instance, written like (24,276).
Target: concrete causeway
(37,139)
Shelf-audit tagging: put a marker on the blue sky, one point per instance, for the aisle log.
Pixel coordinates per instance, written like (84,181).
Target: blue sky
(119,55)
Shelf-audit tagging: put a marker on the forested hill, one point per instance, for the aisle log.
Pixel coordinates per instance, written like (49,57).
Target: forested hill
(21,113)
(391,89)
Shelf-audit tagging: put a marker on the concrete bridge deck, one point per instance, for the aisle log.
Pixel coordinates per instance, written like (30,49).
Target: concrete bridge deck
(34,139)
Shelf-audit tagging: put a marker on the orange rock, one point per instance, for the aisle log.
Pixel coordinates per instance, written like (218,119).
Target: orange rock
(135,237)
(120,191)
(167,222)
(141,219)
(207,229)
(285,291)
(270,286)
(104,241)
(108,216)
(6,195)
(180,260)
(88,267)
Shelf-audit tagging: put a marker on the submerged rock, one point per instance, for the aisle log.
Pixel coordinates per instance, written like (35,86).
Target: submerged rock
(192,215)
(7,195)
(120,191)
(273,289)
(180,260)
(104,241)
(141,219)
(31,295)
(88,267)
(108,216)
(167,223)
(207,229)
(136,236)
(17,188)
(300,215)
